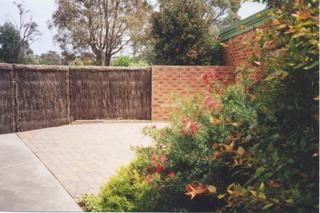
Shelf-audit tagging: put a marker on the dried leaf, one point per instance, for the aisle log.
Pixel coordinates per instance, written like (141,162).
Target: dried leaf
(212,189)
(221,196)
(215,121)
(273,184)
(241,151)
(275,22)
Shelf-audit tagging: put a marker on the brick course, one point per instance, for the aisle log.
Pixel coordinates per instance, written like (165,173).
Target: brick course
(183,81)
(237,49)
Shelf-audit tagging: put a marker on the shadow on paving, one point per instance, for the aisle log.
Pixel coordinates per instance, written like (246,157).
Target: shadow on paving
(25,183)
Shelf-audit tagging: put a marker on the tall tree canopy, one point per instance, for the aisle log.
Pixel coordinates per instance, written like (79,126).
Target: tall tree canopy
(103,26)
(183,31)
(218,13)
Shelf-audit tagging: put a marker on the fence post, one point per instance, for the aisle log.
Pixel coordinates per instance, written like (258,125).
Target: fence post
(69,120)
(14,98)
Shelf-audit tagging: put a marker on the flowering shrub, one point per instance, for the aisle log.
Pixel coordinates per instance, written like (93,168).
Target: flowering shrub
(252,146)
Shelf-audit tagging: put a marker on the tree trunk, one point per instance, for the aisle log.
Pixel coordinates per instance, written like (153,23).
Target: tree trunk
(107,60)
(99,59)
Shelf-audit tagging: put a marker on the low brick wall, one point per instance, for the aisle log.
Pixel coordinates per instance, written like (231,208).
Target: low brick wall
(183,81)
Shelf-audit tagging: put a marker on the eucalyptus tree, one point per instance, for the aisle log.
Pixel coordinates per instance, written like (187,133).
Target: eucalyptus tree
(103,27)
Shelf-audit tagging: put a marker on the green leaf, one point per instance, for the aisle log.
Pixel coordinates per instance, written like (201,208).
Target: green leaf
(267,206)
(261,187)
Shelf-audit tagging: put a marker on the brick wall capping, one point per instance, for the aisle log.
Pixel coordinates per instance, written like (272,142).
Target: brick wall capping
(190,67)
(105,68)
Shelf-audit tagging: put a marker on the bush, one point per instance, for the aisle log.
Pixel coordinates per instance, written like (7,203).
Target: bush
(122,193)
(121,61)
(181,34)
(250,147)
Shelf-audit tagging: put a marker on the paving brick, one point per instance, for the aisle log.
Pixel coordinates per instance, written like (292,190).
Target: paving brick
(84,156)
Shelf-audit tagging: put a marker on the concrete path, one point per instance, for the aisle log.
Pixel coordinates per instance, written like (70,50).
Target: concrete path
(83,156)
(25,183)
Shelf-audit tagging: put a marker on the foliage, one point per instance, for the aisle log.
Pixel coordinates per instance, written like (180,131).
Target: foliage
(82,62)
(218,13)
(50,58)
(121,193)
(138,62)
(100,26)
(10,44)
(181,34)
(16,39)
(121,61)
(126,61)
(252,146)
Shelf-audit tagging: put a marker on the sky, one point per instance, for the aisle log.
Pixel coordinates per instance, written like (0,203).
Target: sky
(42,11)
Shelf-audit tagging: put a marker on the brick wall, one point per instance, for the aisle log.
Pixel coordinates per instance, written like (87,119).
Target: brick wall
(182,80)
(236,50)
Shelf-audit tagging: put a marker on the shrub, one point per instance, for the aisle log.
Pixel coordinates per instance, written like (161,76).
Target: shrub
(122,193)
(181,34)
(121,61)
(252,146)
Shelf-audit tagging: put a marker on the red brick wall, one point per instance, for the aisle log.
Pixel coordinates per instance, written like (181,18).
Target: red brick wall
(237,49)
(184,81)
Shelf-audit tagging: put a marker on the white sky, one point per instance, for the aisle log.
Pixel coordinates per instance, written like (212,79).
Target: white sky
(43,9)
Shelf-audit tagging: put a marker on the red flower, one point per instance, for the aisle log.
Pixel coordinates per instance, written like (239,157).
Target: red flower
(154,163)
(215,145)
(192,54)
(208,76)
(211,104)
(171,174)
(217,155)
(255,76)
(149,179)
(163,158)
(190,127)
(177,49)
(154,157)
(159,169)
(149,168)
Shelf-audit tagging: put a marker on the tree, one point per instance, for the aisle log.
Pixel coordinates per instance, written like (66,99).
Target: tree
(182,30)
(101,26)
(28,29)
(50,58)
(10,44)
(218,13)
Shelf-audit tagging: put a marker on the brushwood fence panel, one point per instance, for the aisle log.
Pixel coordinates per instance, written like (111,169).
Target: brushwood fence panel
(6,99)
(110,93)
(42,96)
(33,97)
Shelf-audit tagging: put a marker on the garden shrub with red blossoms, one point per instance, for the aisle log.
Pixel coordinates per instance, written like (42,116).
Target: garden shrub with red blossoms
(250,147)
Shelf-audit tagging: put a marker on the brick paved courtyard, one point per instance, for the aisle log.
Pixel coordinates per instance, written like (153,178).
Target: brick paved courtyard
(83,156)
